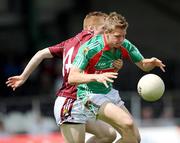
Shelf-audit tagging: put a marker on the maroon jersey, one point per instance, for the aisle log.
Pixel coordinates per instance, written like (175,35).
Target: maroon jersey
(68,50)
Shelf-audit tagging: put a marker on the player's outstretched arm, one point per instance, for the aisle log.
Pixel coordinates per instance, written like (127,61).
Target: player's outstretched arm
(77,77)
(151,63)
(16,81)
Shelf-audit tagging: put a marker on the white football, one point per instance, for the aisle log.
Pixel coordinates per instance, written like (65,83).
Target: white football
(151,87)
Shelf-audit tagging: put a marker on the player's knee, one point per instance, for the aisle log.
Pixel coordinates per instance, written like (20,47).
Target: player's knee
(112,136)
(138,136)
(135,139)
(128,123)
(109,139)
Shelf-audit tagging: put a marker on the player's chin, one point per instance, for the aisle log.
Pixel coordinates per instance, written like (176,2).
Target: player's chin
(117,45)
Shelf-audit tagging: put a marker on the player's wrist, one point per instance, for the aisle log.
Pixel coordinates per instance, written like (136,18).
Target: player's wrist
(23,77)
(94,77)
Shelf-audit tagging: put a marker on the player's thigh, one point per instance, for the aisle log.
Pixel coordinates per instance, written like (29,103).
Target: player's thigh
(113,114)
(125,109)
(73,133)
(100,129)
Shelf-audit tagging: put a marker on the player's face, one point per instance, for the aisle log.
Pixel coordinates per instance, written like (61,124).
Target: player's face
(116,37)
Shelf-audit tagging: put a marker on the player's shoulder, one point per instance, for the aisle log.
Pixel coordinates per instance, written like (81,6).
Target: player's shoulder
(95,43)
(126,42)
(92,46)
(84,35)
(81,36)
(128,45)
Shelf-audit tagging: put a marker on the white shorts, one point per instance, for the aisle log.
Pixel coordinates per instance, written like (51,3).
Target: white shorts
(68,110)
(98,99)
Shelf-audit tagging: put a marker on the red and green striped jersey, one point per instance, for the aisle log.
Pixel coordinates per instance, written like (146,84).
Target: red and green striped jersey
(95,56)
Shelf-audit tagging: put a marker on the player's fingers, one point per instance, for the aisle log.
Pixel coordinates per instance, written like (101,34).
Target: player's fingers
(105,83)
(162,68)
(9,84)
(8,81)
(117,65)
(108,79)
(14,88)
(118,62)
(111,75)
(163,65)
(12,77)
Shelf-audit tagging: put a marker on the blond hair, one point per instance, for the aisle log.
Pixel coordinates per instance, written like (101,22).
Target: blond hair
(115,20)
(94,19)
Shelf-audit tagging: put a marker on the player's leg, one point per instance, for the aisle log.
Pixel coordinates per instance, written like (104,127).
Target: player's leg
(111,113)
(73,133)
(103,132)
(135,126)
(116,99)
(120,120)
(69,112)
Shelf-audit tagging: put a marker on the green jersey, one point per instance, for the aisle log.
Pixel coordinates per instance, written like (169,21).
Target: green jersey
(95,56)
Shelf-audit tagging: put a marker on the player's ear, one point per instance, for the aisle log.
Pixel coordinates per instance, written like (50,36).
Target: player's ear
(91,28)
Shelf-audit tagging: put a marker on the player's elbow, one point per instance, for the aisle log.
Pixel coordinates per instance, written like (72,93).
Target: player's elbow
(74,76)
(70,80)
(44,54)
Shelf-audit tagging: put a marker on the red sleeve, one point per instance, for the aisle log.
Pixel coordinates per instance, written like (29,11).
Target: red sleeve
(57,50)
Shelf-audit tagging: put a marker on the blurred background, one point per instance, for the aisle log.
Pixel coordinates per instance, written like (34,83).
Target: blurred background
(27,26)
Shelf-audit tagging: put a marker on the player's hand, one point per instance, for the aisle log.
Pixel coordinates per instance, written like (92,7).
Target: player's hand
(117,64)
(14,82)
(106,77)
(156,62)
